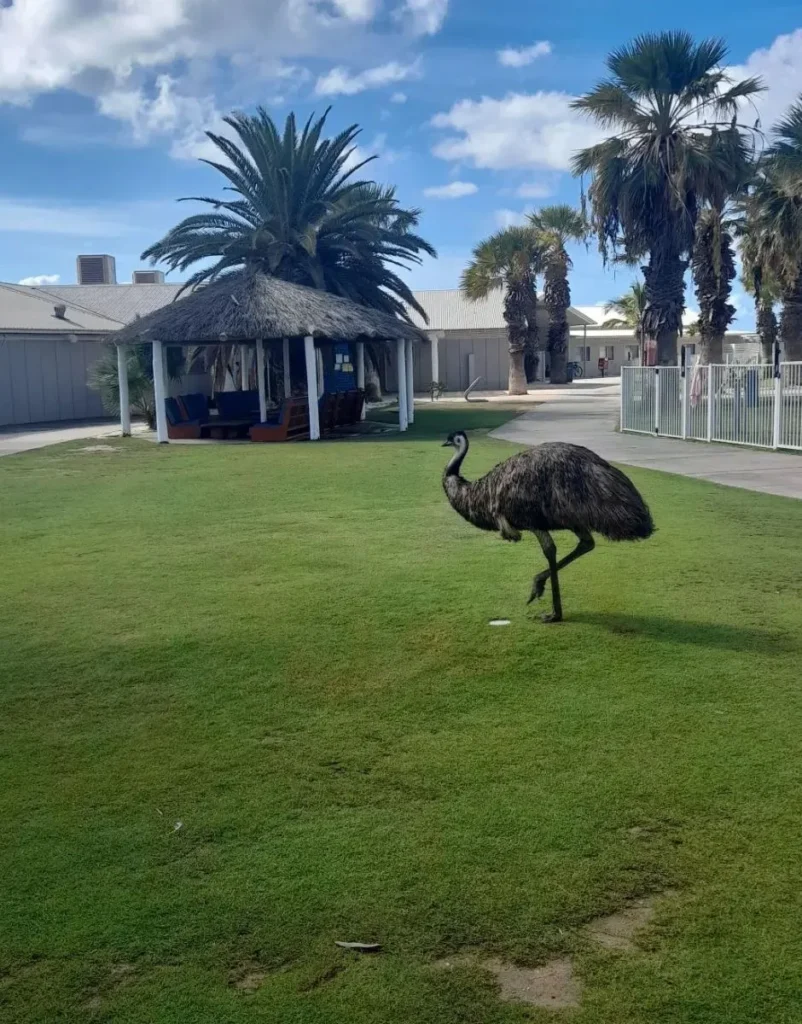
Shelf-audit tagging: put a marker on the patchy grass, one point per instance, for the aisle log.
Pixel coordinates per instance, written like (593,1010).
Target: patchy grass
(285,649)
(435,420)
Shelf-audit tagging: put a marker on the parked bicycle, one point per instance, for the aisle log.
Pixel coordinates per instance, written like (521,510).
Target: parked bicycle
(575,371)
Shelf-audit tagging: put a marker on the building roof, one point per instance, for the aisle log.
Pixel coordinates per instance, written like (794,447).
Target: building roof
(597,316)
(247,305)
(450,309)
(26,311)
(447,309)
(121,302)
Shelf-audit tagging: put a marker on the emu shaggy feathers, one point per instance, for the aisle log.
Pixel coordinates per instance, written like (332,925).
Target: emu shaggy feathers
(554,486)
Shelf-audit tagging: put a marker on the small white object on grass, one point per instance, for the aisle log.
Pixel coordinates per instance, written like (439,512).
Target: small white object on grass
(178,825)
(499,622)
(360,947)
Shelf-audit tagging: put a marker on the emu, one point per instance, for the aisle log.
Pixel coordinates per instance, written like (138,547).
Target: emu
(554,486)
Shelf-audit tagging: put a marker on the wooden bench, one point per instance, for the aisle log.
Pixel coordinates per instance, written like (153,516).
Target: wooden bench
(292,423)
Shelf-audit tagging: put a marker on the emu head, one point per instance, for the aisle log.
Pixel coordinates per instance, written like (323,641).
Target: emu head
(456,440)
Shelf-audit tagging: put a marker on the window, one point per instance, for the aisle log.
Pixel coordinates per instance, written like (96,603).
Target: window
(608,351)
(583,354)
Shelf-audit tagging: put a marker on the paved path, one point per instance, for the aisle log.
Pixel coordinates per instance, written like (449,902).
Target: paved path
(13,440)
(589,417)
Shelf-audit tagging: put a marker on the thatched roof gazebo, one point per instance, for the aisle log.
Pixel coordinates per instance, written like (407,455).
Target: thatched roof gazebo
(248,308)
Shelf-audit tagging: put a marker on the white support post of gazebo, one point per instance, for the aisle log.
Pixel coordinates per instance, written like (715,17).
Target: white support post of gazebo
(285,359)
(243,367)
(434,338)
(268,360)
(401,374)
(260,374)
(410,383)
(159,391)
(311,387)
(122,379)
(360,370)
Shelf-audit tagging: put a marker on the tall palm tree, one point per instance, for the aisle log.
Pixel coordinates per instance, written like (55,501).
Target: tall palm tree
(508,260)
(629,308)
(299,212)
(670,103)
(554,227)
(774,216)
(757,278)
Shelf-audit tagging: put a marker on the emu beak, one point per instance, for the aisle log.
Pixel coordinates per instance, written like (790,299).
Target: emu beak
(446,444)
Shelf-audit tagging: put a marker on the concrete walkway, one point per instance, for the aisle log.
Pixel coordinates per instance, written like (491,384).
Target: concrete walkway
(589,417)
(13,440)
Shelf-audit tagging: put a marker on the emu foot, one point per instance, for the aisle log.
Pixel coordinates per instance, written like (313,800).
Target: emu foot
(538,587)
(552,617)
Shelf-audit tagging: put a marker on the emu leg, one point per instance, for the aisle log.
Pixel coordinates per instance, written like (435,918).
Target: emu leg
(550,551)
(585,546)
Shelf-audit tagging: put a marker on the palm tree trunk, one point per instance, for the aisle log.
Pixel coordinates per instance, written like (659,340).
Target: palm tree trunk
(664,282)
(515,303)
(557,296)
(791,321)
(713,274)
(517,379)
(766,329)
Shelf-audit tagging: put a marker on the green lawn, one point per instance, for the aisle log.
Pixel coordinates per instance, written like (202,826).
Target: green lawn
(285,649)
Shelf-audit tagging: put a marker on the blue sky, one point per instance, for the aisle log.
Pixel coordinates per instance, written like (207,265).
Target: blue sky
(103,104)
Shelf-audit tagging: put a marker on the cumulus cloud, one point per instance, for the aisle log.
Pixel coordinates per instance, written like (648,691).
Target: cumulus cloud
(165,112)
(398,97)
(519,58)
(424,17)
(533,190)
(107,48)
(41,279)
(341,81)
(780,67)
(510,218)
(521,130)
(454,190)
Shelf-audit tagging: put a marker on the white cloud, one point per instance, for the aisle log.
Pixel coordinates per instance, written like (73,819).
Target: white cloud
(398,97)
(454,190)
(780,67)
(185,119)
(41,279)
(341,81)
(521,130)
(509,218)
(105,48)
(424,17)
(519,58)
(533,190)
(32,217)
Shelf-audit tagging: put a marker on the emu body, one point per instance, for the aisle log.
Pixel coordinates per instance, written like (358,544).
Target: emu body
(553,486)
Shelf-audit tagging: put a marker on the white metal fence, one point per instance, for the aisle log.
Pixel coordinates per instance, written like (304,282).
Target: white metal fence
(752,404)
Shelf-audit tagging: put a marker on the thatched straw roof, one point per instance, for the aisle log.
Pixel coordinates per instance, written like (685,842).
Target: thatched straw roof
(248,305)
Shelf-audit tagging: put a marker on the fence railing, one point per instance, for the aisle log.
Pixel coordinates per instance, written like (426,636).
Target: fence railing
(751,404)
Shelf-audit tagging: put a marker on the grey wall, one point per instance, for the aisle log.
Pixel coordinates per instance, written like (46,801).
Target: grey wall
(43,379)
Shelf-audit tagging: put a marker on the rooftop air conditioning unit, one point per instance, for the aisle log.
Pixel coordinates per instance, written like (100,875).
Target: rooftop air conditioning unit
(148,277)
(96,270)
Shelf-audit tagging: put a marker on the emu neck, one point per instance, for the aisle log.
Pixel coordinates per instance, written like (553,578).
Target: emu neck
(453,483)
(455,464)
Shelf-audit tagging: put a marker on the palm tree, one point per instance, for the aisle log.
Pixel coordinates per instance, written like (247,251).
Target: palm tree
(758,279)
(510,259)
(103,378)
(774,218)
(554,227)
(630,308)
(670,103)
(299,213)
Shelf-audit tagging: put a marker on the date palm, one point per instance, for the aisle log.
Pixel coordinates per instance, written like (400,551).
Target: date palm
(670,103)
(554,227)
(299,211)
(509,260)
(757,278)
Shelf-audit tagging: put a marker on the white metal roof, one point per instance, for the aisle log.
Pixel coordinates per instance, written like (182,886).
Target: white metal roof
(447,309)
(450,309)
(23,309)
(122,302)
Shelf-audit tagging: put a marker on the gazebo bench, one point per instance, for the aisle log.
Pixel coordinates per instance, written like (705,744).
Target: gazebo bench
(291,423)
(189,418)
